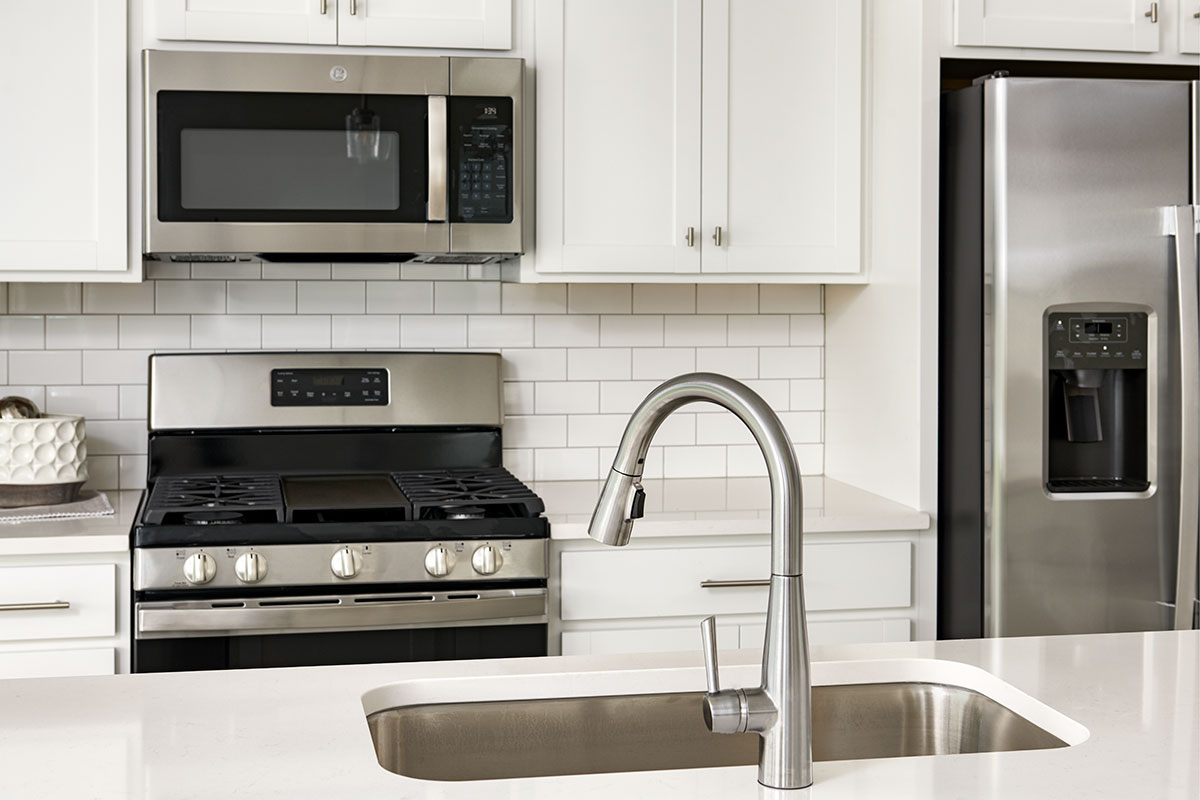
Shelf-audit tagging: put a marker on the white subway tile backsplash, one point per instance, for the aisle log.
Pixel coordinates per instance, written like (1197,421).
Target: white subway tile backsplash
(631,330)
(727,298)
(567,330)
(115,366)
(189,297)
(695,330)
(35,393)
(660,363)
(93,402)
(425,332)
(303,331)
(45,298)
(118,298)
(400,297)
(566,397)
(361,331)
(598,363)
(155,332)
(226,332)
(44,366)
(79,331)
(22,333)
(262,297)
(533,298)
(493,331)
(599,298)
(466,297)
(578,358)
(331,297)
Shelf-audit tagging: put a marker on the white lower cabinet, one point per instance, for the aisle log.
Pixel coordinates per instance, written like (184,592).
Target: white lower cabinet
(58,663)
(650,598)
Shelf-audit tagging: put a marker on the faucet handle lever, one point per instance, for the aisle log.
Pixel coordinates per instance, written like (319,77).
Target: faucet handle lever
(708,636)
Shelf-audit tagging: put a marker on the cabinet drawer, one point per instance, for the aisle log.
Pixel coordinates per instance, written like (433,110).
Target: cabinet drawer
(623,584)
(58,663)
(57,602)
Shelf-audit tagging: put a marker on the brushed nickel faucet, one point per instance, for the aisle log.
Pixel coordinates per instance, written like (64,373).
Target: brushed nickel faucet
(779,710)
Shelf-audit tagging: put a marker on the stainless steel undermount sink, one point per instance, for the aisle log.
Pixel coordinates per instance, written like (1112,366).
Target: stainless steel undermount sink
(634,732)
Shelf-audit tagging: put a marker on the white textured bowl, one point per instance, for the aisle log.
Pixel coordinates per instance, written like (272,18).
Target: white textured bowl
(44,450)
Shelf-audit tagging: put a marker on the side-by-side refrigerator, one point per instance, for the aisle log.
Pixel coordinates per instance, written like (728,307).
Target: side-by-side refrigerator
(1069,440)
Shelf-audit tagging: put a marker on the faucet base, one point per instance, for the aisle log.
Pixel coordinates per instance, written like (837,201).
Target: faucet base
(785,755)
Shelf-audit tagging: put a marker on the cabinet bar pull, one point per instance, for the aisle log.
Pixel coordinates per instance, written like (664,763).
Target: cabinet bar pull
(324,7)
(717,236)
(735,584)
(34,606)
(1152,13)
(354,7)
(690,237)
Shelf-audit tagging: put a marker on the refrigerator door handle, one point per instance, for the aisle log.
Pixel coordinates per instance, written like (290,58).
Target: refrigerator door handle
(1181,224)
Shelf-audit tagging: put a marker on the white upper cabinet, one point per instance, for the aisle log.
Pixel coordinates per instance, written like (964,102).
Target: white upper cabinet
(1189,26)
(485,24)
(63,179)
(782,136)
(1113,25)
(720,140)
(618,146)
(291,21)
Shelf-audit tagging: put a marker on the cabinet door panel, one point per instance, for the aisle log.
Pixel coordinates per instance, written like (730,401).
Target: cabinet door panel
(618,135)
(1118,25)
(89,592)
(58,663)
(484,24)
(63,158)
(285,21)
(782,136)
(1189,26)
(851,631)
(644,640)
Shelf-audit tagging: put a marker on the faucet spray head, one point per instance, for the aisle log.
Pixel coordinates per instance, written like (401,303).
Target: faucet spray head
(621,502)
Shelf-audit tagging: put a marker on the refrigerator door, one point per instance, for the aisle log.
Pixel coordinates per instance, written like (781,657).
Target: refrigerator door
(1076,173)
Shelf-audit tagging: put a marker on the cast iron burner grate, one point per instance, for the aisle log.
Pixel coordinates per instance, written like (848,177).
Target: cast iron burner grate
(437,494)
(257,497)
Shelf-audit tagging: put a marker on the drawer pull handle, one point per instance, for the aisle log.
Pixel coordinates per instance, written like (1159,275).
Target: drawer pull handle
(34,606)
(735,584)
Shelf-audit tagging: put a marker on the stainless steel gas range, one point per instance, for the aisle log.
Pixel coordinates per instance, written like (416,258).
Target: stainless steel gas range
(332,508)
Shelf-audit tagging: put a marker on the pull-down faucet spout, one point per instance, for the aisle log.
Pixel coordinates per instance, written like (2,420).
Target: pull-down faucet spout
(779,710)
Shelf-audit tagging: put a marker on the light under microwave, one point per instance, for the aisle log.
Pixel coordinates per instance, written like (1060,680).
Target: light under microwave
(298,157)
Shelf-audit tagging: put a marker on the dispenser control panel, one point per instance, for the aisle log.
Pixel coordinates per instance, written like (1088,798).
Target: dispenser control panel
(1102,340)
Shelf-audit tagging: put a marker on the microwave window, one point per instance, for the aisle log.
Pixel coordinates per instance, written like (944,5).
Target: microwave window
(289,169)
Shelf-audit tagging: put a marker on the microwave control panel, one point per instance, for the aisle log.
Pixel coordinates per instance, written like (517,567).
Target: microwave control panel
(481,149)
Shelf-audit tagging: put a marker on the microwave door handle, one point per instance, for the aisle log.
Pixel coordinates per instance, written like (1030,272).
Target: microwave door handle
(436,205)
(1181,224)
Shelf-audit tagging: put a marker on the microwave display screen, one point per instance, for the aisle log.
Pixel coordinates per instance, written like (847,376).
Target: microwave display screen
(481,151)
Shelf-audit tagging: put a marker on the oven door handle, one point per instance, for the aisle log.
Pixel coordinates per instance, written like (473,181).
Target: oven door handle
(247,617)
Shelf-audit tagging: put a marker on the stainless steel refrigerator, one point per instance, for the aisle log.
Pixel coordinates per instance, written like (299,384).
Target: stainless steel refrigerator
(1069,438)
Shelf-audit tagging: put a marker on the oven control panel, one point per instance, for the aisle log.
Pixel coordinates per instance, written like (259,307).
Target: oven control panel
(329,387)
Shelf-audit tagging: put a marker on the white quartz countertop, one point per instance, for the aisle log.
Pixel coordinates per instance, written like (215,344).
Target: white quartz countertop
(724,506)
(1133,702)
(73,535)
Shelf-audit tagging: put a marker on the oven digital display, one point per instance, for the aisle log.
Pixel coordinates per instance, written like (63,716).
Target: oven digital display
(329,387)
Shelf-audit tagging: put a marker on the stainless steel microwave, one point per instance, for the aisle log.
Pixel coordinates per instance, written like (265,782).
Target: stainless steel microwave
(331,156)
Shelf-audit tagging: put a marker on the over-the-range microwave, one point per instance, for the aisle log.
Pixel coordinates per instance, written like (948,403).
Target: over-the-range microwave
(295,157)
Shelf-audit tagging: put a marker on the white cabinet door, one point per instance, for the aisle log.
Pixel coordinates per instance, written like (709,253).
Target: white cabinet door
(286,21)
(63,192)
(850,631)
(483,24)
(1189,26)
(618,136)
(58,663)
(645,640)
(1117,25)
(782,136)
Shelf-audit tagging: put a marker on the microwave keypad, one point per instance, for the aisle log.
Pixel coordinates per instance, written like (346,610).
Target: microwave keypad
(481,131)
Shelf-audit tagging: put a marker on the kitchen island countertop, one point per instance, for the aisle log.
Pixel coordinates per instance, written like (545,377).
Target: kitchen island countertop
(301,733)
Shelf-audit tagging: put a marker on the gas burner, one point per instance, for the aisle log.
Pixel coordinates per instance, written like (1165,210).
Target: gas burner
(213,517)
(483,492)
(256,496)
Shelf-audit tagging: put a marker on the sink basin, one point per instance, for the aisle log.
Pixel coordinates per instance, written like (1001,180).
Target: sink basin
(633,732)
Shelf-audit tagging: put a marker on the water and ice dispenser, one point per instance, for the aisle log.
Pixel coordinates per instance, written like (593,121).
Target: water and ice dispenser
(1096,402)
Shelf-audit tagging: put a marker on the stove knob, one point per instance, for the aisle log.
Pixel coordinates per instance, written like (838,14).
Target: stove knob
(346,562)
(439,562)
(199,568)
(487,560)
(250,567)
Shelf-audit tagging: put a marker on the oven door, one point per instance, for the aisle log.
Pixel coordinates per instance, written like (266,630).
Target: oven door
(240,633)
(263,153)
